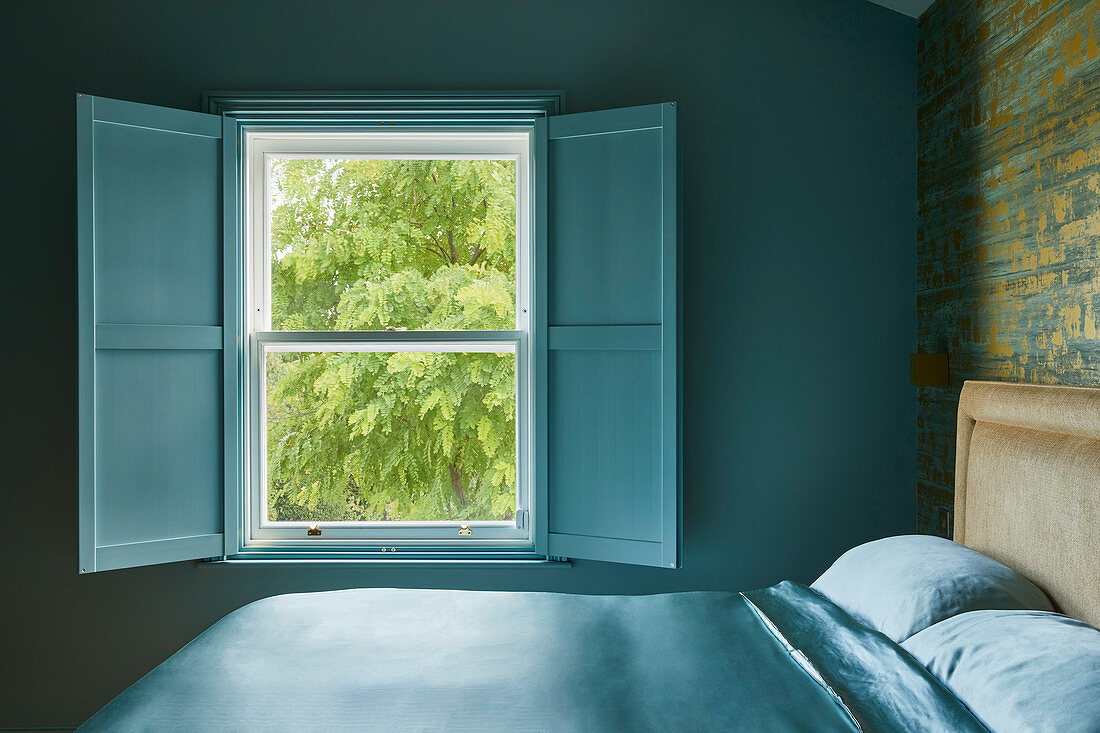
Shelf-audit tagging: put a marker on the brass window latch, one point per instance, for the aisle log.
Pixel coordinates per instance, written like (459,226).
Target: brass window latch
(313,531)
(465,531)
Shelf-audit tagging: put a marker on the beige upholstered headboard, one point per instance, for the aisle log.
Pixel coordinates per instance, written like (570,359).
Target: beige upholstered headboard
(1027,486)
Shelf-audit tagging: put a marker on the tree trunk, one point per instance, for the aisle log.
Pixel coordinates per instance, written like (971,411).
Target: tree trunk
(456,486)
(451,245)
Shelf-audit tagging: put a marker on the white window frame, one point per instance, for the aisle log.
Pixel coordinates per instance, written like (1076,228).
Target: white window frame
(260,146)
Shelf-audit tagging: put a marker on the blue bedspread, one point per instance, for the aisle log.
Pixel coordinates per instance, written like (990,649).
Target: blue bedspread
(398,660)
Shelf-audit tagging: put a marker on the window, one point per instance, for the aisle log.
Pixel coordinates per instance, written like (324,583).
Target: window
(387,295)
(378,327)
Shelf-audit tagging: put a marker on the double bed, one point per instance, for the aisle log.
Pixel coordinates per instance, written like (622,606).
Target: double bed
(853,652)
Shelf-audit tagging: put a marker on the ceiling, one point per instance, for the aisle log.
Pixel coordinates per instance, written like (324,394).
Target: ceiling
(911,8)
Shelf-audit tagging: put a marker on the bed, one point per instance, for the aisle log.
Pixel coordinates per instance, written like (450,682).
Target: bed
(853,652)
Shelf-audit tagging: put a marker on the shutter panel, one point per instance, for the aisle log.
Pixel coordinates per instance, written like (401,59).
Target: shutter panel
(150,334)
(607,344)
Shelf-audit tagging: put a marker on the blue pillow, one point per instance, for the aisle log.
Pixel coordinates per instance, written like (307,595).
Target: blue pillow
(900,585)
(1017,670)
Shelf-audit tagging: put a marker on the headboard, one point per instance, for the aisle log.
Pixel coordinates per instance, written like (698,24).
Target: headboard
(1027,486)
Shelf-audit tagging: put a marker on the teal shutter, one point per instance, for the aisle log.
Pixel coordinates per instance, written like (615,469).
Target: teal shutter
(151,336)
(607,440)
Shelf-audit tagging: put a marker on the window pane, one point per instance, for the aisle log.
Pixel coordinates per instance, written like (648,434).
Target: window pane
(391,436)
(371,245)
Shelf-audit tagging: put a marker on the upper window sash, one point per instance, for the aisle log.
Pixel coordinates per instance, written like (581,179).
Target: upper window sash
(263,145)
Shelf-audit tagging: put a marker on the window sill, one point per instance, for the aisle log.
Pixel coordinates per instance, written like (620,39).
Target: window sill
(376,562)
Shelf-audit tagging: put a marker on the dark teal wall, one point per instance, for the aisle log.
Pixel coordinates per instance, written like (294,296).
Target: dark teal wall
(799,256)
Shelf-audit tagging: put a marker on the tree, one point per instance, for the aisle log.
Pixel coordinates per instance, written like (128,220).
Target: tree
(392,244)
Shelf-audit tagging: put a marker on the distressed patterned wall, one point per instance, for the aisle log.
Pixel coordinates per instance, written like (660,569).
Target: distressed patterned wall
(1008,178)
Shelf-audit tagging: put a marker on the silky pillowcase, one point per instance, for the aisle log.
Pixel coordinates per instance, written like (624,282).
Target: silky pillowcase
(1017,670)
(900,585)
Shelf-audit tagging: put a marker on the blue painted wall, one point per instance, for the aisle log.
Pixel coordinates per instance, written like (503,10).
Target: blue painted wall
(799,219)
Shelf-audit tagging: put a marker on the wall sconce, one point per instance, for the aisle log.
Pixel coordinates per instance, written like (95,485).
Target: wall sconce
(928,370)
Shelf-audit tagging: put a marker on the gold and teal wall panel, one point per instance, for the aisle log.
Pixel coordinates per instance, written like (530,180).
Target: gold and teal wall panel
(1008,177)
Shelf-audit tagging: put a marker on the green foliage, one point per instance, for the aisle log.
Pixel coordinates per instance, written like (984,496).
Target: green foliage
(392,244)
(356,223)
